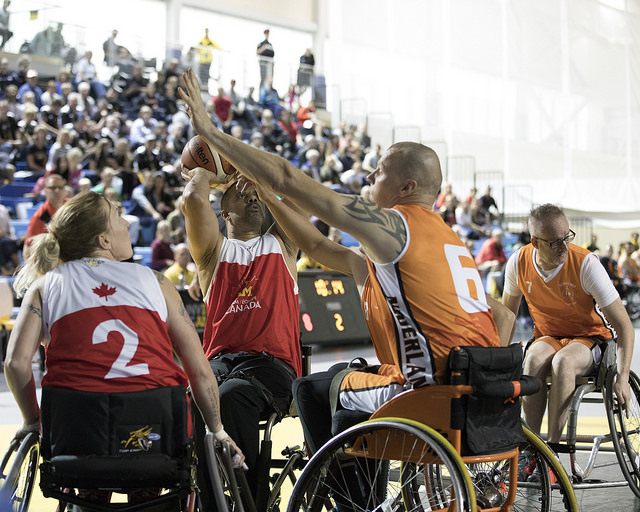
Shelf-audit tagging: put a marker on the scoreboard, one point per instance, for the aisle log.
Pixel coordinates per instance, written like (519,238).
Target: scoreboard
(330,310)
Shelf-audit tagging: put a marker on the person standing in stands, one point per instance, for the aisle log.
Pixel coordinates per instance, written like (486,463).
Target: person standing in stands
(4,23)
(206,58)
(265,58)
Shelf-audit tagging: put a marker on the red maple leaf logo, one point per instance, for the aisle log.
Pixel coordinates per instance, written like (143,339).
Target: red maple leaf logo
(104,291)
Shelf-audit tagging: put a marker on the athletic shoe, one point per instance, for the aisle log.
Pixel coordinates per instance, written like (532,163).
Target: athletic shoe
(536,476)
(526,465)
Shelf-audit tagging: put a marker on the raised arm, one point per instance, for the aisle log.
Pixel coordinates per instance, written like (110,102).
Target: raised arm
(189,350)
(23,344)
(312,242)
(380,231)
(203,234)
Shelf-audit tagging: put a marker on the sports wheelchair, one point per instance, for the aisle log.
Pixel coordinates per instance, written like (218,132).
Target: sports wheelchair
(127,442)
(623,437)
(120,442)
(230,488)
(446,447)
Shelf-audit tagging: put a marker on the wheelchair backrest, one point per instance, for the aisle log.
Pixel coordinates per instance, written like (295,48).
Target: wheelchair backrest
(77,423)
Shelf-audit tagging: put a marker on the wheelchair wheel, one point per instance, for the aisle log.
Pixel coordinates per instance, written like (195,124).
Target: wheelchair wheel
(379,465)
(18,482)
(225,490)
(553,490)
(625,432)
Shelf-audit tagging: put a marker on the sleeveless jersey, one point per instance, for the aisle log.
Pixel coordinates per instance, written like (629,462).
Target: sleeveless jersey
(560,306)
(427,301)
(106,325)
(252,302)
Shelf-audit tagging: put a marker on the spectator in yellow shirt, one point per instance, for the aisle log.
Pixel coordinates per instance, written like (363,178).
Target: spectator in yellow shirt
(179,273)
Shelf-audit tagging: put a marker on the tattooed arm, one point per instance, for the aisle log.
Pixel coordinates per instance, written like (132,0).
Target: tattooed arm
(380,231)
(187,345)
(23,344)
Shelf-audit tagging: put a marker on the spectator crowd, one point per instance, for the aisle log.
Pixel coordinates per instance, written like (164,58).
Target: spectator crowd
(124,139)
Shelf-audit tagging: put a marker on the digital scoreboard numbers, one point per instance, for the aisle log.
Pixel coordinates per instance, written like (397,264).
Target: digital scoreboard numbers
(330,310)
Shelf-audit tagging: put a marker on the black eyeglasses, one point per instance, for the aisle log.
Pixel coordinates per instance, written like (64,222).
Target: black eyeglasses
(556,244)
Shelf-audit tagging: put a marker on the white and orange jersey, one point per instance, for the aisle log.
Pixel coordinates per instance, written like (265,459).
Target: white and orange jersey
(566,302)
(105,323)
(252,302)
(425,302)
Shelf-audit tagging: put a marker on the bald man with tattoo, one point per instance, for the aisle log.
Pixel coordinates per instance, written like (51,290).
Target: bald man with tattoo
(423,294)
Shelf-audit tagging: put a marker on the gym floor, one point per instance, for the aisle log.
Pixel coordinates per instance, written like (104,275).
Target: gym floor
(611,499)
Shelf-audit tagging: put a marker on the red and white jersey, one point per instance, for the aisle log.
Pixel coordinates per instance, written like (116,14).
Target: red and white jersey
(252,302)
(106,326)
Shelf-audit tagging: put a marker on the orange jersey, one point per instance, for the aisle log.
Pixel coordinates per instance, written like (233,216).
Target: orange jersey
(427,301)
(560,307)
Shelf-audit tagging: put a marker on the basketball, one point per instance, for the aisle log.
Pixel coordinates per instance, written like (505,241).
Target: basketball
(197,153)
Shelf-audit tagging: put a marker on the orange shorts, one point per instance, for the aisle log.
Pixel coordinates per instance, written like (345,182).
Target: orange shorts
(559,343)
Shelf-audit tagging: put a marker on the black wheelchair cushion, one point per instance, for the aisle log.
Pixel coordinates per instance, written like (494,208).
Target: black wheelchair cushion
(345,418)
(123,473)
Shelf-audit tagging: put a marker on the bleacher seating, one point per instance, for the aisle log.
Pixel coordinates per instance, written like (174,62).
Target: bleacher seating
(16,189)
(20,226)
(348,240)
(144,253)
(32,209)
(147,233)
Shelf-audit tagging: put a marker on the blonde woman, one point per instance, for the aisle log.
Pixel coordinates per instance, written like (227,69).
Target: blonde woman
(76,286)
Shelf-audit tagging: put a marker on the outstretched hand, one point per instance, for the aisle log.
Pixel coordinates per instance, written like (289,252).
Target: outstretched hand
(189,92)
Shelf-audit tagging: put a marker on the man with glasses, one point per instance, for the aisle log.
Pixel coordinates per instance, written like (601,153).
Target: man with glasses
(574,307)
(56,194)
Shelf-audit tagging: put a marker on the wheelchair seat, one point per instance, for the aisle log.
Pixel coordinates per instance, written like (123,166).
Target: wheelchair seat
(472,409)
(115,441)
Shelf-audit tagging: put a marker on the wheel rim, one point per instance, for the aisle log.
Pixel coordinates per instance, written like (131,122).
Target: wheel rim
(625,431)
(20,479)
(334,477)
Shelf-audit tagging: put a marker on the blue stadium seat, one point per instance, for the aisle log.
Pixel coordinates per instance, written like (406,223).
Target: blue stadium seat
(20,227)
(476,246)
(16,189)
(32,209)
(12,202)
(144,253)
(348,240)
(26,176)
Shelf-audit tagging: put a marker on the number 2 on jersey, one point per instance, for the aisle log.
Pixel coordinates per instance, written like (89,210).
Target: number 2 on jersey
(120,367)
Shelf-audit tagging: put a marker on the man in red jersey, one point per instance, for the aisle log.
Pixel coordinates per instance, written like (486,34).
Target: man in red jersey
(248,281)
